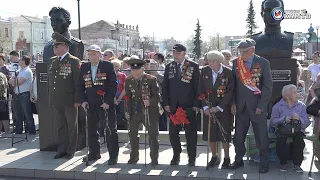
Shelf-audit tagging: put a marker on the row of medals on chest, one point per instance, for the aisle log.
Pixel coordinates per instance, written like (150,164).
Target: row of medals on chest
(99,79)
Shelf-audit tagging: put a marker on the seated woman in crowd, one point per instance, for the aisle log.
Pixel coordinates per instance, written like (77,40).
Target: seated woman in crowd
(286,110)
(219,80)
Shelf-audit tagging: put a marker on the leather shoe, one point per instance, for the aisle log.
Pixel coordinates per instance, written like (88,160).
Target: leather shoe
(112,161)
(69,156)
(175,160)
(91,158)
(133,160)
(192,162)
(236,165)
(263,170)
(59,155)
(226,163)
(214,161)
(154,162)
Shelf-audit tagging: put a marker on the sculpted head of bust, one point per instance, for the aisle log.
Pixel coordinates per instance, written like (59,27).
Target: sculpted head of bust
(60,20)
(266,12)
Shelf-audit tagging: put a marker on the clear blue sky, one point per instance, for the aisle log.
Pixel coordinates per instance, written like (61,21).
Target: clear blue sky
(166,18)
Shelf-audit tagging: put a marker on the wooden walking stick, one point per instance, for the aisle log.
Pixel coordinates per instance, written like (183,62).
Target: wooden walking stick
(314,153)
(208,143)
(87,142)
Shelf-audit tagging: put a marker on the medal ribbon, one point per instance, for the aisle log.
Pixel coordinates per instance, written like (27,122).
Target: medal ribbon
(246,78)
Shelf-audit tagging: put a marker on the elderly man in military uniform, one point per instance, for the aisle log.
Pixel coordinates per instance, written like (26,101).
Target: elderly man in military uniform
(253,90)
(63,75)
(96,92)
(143,92)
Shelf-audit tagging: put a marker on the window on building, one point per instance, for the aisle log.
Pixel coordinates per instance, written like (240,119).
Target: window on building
(6,31)
(21,34)
(41,35)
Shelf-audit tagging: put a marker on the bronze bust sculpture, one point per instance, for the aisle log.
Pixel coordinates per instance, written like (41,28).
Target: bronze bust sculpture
(60,22)
(273,43)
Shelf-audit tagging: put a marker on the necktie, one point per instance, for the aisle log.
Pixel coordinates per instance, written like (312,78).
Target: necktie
(179,69)
(139,102)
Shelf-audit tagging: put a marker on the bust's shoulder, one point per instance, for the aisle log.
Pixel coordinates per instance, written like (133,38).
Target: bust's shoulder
(257,34)
(288,33)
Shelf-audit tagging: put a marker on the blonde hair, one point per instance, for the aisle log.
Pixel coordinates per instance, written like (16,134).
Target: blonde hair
(226,51)
(116,62)
(215,56)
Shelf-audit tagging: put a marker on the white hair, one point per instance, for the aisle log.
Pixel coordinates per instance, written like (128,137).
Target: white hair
(288,88)
(215,56)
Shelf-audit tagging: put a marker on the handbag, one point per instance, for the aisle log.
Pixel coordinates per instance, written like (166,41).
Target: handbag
(290,129)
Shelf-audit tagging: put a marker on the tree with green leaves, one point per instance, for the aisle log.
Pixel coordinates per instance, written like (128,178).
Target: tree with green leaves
(197,40)
(251,24)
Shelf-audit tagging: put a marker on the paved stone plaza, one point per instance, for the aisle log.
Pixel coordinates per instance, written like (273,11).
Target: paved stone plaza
(25,160)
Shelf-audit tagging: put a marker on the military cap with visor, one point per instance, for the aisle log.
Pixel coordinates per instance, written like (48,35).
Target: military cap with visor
(60,39)
(135,62)
(179,48)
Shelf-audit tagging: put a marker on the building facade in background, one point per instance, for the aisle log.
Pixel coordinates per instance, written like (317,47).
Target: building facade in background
(5,35)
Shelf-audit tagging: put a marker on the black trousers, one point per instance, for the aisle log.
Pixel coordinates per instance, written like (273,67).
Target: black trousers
(96,115)
(297,149)
(191,136)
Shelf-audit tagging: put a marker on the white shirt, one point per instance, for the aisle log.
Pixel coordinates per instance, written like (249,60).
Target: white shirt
(214,78)
(63,56)
(25,73)
(315,70)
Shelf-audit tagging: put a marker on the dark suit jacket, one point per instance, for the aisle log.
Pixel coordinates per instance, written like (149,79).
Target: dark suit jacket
(244,96)
(108,85)
(62,81)
(224,80)
(175,92)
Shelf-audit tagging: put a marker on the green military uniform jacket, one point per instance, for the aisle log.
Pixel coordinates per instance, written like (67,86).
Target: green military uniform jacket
(149,90)
(63,77)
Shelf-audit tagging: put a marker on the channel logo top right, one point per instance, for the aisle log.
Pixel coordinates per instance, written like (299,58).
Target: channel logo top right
(279,14)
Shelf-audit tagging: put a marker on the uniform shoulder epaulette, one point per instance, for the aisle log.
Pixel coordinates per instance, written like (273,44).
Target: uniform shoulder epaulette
(129,77)
(257,33)
(54,57)
(149,76)
(288,32)
(76,39)
(73,57)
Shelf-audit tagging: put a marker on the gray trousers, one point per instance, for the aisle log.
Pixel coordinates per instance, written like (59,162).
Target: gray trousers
(260,130)
(67,123)
(135,123)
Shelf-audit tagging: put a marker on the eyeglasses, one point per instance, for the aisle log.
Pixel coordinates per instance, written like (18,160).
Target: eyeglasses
(106,55)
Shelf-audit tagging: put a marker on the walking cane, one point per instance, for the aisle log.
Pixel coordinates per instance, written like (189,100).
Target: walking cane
(146,116)
(87,144)
(208,143)
(314,153)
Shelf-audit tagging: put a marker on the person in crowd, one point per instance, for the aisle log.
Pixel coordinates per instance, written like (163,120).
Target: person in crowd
(21,83)
(4,113)
(153,65)
(285,111)
(121,77)
(63,75)
(125,67)
(219,80)
(314,68)
(143,92)
(180,89)
(14,65)
(108,55)
(300,84)
(96,92)
(253,90)
(159,58)
(227,58)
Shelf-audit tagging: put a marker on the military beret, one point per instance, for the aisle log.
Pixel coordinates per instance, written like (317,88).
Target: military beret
(179,47)
(135,62)
(94,47)
(60,39)
(246,44)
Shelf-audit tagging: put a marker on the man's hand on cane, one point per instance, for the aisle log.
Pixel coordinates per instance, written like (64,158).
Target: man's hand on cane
(85,105)
(105,106)
(146,103)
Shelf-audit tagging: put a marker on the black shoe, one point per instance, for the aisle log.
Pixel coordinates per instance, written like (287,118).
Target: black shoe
(91,158)
(214,161)
(226,163)
(192,162)
(263,170)
(59,155)
(175,160)
(133,160)
(112,161)
(236,165)
(69,156)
